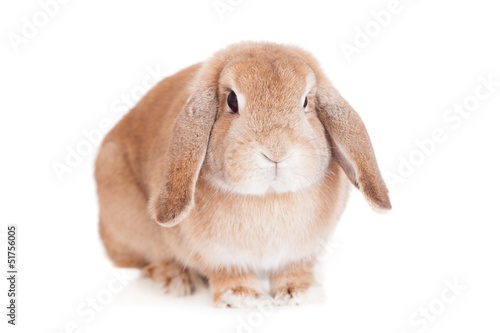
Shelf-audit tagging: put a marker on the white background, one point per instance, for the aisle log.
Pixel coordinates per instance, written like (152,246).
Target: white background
(445,224)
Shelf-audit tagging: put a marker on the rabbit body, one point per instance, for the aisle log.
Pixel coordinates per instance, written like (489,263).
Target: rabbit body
(191,190)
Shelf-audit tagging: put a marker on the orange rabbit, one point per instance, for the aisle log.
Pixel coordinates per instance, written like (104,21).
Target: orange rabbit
(234,168)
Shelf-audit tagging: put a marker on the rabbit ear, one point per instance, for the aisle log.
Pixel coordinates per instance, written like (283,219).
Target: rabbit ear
(352,146)
(185,155)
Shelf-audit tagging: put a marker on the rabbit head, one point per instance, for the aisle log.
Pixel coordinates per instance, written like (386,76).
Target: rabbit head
(263,118)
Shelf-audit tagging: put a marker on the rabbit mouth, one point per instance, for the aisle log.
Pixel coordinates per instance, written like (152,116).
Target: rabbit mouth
(263,172)
(282,181)
(284,185)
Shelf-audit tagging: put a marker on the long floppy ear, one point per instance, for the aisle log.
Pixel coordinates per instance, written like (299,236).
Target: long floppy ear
(352,146)
(185,155)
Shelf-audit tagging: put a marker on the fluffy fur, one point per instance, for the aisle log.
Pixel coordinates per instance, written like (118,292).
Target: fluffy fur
(188,189)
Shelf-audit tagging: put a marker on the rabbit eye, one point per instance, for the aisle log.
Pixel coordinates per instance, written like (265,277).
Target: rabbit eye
(232,102)
(305,102)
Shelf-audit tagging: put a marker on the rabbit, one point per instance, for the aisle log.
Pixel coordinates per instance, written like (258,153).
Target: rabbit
(231,170)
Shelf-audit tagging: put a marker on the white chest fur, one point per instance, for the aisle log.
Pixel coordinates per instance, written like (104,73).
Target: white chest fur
(261,234)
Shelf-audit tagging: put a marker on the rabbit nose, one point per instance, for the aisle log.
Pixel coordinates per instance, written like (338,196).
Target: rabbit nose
(274,145)
(275,158)
(275,164)
(270,159)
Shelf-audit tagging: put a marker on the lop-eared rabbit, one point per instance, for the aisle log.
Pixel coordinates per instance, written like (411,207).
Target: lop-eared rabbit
(231,169)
